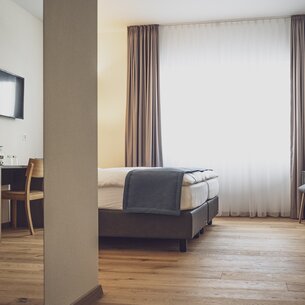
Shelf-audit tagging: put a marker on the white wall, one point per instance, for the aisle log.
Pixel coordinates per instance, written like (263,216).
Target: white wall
(70,150)
(21,53)
(112,81)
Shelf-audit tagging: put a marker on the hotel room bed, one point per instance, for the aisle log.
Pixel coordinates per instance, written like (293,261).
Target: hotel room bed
(198,205)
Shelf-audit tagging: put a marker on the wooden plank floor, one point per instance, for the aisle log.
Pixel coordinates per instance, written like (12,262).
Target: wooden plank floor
(21,267)
(237,261)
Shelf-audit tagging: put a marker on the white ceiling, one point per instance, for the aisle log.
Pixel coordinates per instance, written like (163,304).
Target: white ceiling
(35,7)
(128,12)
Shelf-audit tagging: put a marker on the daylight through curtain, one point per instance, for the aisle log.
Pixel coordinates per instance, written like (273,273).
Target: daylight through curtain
(225,103)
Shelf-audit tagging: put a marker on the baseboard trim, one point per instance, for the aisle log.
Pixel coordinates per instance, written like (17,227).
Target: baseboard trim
(90,297)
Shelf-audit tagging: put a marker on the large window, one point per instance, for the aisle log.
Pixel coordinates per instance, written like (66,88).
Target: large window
(225,96)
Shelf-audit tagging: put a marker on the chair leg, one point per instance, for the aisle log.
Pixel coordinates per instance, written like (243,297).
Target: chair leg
(14,213)
(301,209)
(29,216)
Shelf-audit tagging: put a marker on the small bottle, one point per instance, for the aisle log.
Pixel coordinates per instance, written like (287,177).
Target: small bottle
(14,160)
(9,160)
(1,156)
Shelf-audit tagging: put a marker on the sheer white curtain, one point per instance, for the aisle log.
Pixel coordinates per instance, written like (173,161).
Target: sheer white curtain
(225,96)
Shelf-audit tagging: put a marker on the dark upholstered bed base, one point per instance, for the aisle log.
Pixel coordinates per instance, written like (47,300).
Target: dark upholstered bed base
(115,223)
(212,209)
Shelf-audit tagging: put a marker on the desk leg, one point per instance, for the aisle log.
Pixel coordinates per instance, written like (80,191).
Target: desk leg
(14,214)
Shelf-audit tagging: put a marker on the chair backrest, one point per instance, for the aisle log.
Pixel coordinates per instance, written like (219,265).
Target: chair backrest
(34,170)
(37,171)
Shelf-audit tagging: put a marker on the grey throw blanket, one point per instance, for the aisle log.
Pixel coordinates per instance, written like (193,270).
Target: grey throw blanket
(155,190)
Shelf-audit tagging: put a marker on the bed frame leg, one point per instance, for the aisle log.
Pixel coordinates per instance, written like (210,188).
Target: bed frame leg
(183,245)
(210,222)
(201,231)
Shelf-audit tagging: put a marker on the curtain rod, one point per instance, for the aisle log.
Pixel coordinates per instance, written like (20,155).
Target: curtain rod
(226,20)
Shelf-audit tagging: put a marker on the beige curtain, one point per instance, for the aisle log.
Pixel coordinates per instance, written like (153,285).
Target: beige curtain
(297,109)
(143,129)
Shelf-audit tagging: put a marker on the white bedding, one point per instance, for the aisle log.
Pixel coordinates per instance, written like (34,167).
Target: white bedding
(116,176)
(197,188)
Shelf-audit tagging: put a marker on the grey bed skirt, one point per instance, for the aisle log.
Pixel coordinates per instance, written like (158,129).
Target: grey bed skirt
(116,223)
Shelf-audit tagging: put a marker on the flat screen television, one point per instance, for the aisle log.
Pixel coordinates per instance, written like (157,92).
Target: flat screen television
(11,95)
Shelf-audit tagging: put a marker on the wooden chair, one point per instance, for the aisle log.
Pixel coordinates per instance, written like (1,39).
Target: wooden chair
(34,170)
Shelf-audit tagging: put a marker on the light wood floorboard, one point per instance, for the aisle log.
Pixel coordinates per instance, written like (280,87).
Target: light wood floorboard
(21,267)
(238,261)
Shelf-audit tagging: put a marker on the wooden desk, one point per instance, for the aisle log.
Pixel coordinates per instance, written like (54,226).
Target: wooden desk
(15,176)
